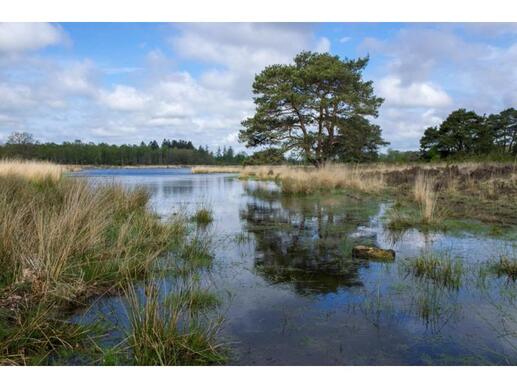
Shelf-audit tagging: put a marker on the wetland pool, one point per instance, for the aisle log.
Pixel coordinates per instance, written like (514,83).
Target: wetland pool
(293,295)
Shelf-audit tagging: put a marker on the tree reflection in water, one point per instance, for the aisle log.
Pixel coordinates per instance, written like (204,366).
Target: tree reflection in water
(305,241)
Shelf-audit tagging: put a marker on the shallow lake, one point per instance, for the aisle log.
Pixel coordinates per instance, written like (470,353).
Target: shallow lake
(292,295)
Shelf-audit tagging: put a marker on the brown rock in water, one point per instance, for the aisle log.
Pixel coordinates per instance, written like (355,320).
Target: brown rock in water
(372,253)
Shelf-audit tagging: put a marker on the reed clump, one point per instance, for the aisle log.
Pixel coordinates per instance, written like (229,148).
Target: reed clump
(505,266)
(443,271)
(203,216)
(216,169)
(425,196)
(308,180)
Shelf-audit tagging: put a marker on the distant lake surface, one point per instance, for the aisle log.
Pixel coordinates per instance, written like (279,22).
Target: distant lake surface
(293,296)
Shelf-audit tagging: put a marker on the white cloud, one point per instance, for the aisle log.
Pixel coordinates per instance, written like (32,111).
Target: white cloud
(427,72)
(323,45)
(19,37)
(415,94)
(76,78)
(404,127)
(345,39)
(125,98)
(15,96)
(237,51)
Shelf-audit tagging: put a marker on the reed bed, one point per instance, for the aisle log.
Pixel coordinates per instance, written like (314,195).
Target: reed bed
(485,191)
(33,170)
(303,180)
(216,169)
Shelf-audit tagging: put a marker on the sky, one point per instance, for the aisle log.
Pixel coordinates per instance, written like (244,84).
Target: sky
(132,82)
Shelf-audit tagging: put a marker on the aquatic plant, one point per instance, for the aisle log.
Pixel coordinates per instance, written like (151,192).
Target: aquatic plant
(443,271)
(203,216)
(30,333)
(505,266)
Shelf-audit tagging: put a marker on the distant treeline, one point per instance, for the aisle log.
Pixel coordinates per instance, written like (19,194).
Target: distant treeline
(462,135)
(22,145)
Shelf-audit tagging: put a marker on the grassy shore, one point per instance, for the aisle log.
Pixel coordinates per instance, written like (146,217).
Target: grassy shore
(62,242)
(427,194)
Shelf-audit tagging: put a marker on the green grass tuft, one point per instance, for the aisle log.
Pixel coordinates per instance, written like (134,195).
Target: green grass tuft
(442,271)
(505,266)
(167,331)
(203,216)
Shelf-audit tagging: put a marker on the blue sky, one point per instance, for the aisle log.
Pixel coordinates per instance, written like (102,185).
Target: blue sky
(132,82)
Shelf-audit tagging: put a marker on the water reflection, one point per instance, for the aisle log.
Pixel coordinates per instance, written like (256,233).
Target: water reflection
(306,242)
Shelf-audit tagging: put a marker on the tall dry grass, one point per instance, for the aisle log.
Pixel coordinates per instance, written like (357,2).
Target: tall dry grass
(33,170)
(215,169)
(426,196)
(307,180)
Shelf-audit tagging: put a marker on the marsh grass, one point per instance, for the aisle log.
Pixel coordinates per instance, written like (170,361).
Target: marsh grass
(36,171)
(31,333)
(427,215)
(482,191)
(331,177)
(216,169)
(165,330)
(63,241)
(505,266)
(426,197)
(198,298)
(203,216)
(442,271)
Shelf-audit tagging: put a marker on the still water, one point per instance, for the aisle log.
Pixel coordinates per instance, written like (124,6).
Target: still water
(292,295)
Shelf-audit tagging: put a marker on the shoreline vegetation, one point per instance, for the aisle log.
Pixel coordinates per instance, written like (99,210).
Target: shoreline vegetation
(64,242)
(427,195)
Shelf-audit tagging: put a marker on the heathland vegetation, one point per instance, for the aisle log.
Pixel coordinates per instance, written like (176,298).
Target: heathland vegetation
(64,241)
